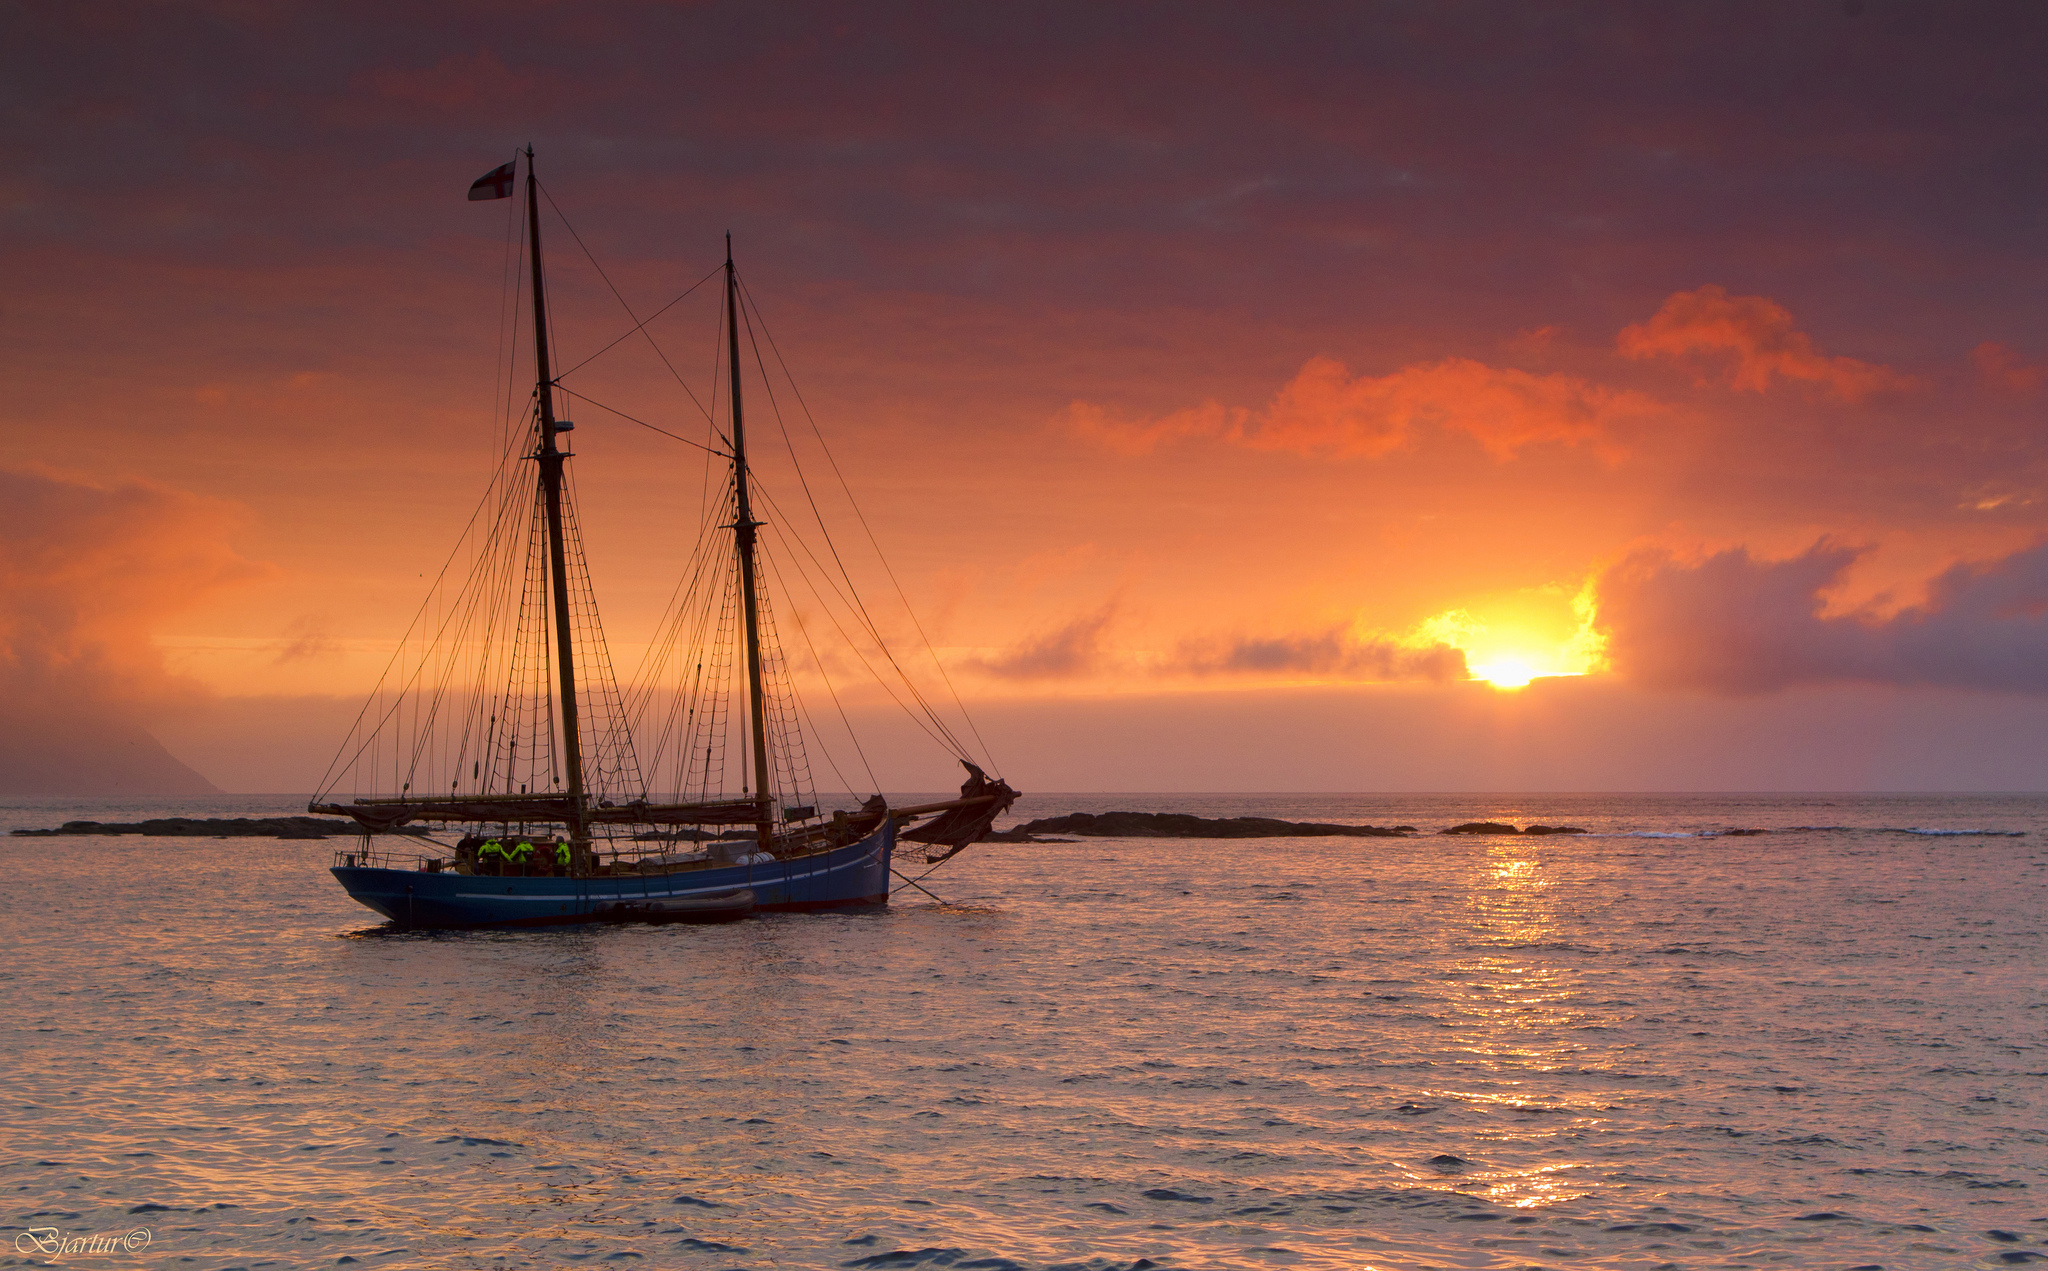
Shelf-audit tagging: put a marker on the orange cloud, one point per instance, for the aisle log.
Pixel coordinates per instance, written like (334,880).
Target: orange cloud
(1136,436)
(1502,408)
(1070,652)
(1758,332)
(1325,410)
(2003,366)
(84,570)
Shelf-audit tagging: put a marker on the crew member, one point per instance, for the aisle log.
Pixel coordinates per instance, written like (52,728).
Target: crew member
(522,855)
(491,856)
(562,856)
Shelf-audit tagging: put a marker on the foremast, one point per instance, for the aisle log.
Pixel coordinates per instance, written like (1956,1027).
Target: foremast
(745,534)
(550,458)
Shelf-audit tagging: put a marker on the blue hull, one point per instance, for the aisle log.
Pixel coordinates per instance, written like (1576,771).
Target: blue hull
(857,874)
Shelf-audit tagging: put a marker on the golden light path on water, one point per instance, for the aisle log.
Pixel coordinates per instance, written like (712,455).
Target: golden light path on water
(1520,1000)
(1644,1046)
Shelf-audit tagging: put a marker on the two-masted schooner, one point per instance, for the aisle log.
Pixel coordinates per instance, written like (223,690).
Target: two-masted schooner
(499,719)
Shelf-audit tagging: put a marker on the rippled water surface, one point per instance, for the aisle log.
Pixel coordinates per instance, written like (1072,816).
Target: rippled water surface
(1813,1047)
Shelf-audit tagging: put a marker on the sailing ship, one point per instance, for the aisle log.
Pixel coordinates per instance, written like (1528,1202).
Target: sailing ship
(500,719)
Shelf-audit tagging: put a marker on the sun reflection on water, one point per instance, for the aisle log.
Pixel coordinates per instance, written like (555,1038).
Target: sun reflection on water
(1519,1000)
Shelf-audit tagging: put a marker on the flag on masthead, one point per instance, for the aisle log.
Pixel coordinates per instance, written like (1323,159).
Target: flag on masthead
(495,184)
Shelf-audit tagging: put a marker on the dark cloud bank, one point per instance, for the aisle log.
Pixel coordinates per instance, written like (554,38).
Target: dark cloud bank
(1735,624)
(1079,649)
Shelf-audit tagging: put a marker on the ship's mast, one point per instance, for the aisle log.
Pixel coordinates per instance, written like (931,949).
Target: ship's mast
(550,459)
(744,527)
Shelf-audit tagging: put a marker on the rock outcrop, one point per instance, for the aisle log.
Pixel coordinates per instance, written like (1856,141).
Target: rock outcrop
(1180,825)
(276,827)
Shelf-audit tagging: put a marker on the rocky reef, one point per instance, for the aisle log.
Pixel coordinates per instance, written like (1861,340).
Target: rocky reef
(1179,825)
(276,827)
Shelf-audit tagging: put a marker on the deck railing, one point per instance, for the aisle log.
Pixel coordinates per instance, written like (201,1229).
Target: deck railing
(361,858)
(609,855)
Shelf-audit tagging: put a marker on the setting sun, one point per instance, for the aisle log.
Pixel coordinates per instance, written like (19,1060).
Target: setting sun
(1508,670)
(1509,640)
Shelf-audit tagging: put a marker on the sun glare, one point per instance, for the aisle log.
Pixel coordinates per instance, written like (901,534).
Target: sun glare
(1506,671)
(1510,643)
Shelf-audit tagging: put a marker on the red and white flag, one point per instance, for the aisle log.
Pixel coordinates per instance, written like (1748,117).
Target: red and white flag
(495,184)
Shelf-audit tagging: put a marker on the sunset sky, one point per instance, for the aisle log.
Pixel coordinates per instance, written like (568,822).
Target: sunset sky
(1247,398)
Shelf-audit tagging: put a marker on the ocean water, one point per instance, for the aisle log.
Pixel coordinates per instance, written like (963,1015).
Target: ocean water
(1647,1047)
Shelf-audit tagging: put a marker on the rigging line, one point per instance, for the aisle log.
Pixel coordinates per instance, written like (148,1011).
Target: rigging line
(463,613)
(945,737)
(519,693)
(642,326)
(848,598)
(413,683)
(640,689)
(951,747)
(947,741)
(654,668)
(874,630)
(804,630)
(913,882)
(646,681)
(689,613)
(490,489)
(748,294)
(951,741)
(480,675)
(508,299)
(547,653)
(531,675)
(713,709)
(643,423)
(943,861)
(639,325)
(717,334)
(785,708)
(603,691)
(412,689)
(465,604)
(515,226)
(709,708)
(645,676)
(624,751)
(504,609)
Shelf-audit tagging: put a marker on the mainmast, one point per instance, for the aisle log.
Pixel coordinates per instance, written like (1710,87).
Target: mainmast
(744,527)
(551,459)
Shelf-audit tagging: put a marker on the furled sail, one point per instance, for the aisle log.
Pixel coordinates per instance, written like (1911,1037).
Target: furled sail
(981,801)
